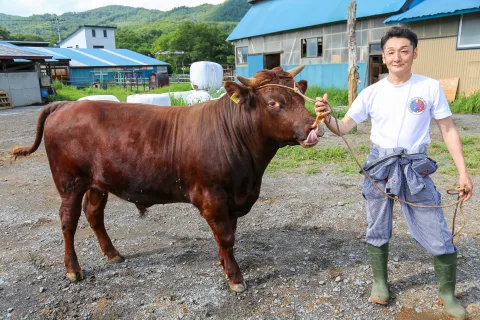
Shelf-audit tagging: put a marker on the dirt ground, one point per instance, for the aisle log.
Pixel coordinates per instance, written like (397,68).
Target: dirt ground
(301,249)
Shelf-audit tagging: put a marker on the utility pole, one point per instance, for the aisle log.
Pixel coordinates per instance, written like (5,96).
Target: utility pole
(353,76)
(56,21)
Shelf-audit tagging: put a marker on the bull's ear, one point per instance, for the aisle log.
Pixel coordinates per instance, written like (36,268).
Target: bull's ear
(303,84)
(236,92)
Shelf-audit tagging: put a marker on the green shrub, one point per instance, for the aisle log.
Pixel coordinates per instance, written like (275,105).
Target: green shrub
(464,104)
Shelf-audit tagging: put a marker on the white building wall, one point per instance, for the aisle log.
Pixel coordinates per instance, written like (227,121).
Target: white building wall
(99,39)
(78,40)
(22,87)
(84,39)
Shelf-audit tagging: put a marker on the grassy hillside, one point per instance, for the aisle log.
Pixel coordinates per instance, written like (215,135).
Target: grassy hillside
(123,17)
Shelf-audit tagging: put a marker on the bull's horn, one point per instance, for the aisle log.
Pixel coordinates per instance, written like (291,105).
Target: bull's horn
(293,72)
(251,82)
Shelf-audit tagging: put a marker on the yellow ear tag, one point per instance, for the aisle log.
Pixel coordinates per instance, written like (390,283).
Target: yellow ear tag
(235,98)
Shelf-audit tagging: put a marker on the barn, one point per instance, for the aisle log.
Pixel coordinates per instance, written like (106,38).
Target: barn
(288,33)
(118,66)
(20,76)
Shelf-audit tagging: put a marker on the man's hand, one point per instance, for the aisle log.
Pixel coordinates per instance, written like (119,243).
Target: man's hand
(321,107)
(465,183)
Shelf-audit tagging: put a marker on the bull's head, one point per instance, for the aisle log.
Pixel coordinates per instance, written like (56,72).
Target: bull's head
(280,111)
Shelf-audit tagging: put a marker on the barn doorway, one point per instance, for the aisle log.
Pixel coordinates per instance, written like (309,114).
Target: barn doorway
(377,70)
(271,60)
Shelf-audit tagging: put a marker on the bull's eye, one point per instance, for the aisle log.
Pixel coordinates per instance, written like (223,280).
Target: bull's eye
(273,104)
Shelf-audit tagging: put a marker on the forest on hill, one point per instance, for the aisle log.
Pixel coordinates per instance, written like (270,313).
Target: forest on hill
(143,30)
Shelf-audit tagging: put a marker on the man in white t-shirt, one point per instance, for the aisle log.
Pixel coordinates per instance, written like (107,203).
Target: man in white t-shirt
(400,108)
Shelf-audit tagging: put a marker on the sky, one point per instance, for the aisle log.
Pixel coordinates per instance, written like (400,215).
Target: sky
(26,8)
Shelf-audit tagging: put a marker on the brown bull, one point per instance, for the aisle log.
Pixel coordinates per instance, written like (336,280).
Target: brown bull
(211,155)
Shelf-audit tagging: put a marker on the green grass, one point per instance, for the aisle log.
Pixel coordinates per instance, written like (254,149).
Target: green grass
(463,104)
(337,159)
(177,101)
(71,93)
(312,160)
(336,98)
(471,149)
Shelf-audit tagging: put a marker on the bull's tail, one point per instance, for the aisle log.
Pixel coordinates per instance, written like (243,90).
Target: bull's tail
(24,151)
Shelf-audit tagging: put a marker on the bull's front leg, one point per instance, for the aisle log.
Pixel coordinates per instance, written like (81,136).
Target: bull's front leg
(223,227)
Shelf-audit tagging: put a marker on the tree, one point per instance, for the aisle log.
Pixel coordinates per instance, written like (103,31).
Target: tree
(125,38)
(198,42)
(26,37)
(4,34)
(353,76)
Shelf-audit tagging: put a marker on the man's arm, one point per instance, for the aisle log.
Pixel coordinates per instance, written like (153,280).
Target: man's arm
(454,145)
(322,110)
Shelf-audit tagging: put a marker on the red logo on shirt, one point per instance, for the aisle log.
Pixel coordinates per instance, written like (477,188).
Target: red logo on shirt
(417,105)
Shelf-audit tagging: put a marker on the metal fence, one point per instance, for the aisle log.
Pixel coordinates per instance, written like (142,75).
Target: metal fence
(179,78)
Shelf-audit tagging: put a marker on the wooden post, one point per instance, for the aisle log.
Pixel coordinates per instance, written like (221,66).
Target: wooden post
(353,76)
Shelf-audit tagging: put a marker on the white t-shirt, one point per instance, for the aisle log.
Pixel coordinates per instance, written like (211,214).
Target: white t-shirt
(401,114)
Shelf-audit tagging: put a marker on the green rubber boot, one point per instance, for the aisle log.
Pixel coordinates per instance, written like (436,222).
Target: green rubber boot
(446,272)
(378,260)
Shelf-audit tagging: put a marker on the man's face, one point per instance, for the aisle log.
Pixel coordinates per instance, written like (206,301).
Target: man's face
(398,55)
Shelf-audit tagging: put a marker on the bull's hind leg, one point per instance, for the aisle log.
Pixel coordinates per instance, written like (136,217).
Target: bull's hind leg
(224,227)
(70,210)
(94,204)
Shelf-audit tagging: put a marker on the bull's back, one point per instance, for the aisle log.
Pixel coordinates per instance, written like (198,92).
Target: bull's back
(115,145)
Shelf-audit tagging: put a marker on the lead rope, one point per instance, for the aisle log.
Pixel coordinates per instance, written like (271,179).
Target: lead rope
(456,190)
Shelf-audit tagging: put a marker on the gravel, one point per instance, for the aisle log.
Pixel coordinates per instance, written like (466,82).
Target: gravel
(301,250)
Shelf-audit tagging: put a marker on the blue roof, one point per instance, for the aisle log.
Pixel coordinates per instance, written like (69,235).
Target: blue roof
(86,57)
(273,16)
(428,9)
(46,50)
(22,54)
(102,57)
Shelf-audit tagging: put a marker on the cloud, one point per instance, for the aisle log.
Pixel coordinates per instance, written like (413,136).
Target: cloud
(27,8)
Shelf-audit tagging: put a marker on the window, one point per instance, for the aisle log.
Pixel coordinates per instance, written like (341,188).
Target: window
(242,53)
(375,48)
(468,35)
(93,33)
(104,33)
(98,47)
(312,48)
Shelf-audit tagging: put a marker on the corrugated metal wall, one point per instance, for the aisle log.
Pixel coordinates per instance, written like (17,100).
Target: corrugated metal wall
(439,58)
(22,87)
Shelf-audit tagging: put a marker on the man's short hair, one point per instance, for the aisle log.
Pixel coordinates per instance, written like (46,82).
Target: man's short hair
(400,32)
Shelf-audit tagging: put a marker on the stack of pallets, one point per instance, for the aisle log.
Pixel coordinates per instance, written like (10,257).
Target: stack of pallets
(5,102)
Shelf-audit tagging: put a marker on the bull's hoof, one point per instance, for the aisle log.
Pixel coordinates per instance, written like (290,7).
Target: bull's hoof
(238,287)
(116,259)
(75,276)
